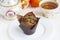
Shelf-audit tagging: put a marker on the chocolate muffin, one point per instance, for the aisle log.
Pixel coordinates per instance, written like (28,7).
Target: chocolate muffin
(28,23)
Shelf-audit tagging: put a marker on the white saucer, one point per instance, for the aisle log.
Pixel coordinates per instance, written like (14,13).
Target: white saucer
(42,32)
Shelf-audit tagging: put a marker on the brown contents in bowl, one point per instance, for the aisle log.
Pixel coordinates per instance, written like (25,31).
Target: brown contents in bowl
(49,5)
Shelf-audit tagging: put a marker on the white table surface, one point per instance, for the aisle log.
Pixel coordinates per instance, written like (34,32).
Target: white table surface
(4,24)
(55,21)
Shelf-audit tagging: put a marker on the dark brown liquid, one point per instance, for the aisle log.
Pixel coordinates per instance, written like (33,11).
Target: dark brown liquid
(49,5)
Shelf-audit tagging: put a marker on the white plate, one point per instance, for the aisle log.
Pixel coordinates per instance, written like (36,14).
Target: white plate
(44,30)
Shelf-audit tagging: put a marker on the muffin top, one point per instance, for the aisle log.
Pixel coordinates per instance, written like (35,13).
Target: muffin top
(30,19)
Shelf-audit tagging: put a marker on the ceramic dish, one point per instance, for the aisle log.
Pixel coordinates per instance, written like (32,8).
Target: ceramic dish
(9,3)
(43,31)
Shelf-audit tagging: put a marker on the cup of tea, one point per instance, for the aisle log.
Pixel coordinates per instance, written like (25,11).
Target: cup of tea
(48,8)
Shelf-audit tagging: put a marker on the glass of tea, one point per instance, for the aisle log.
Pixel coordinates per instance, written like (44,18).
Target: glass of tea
(48,8)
